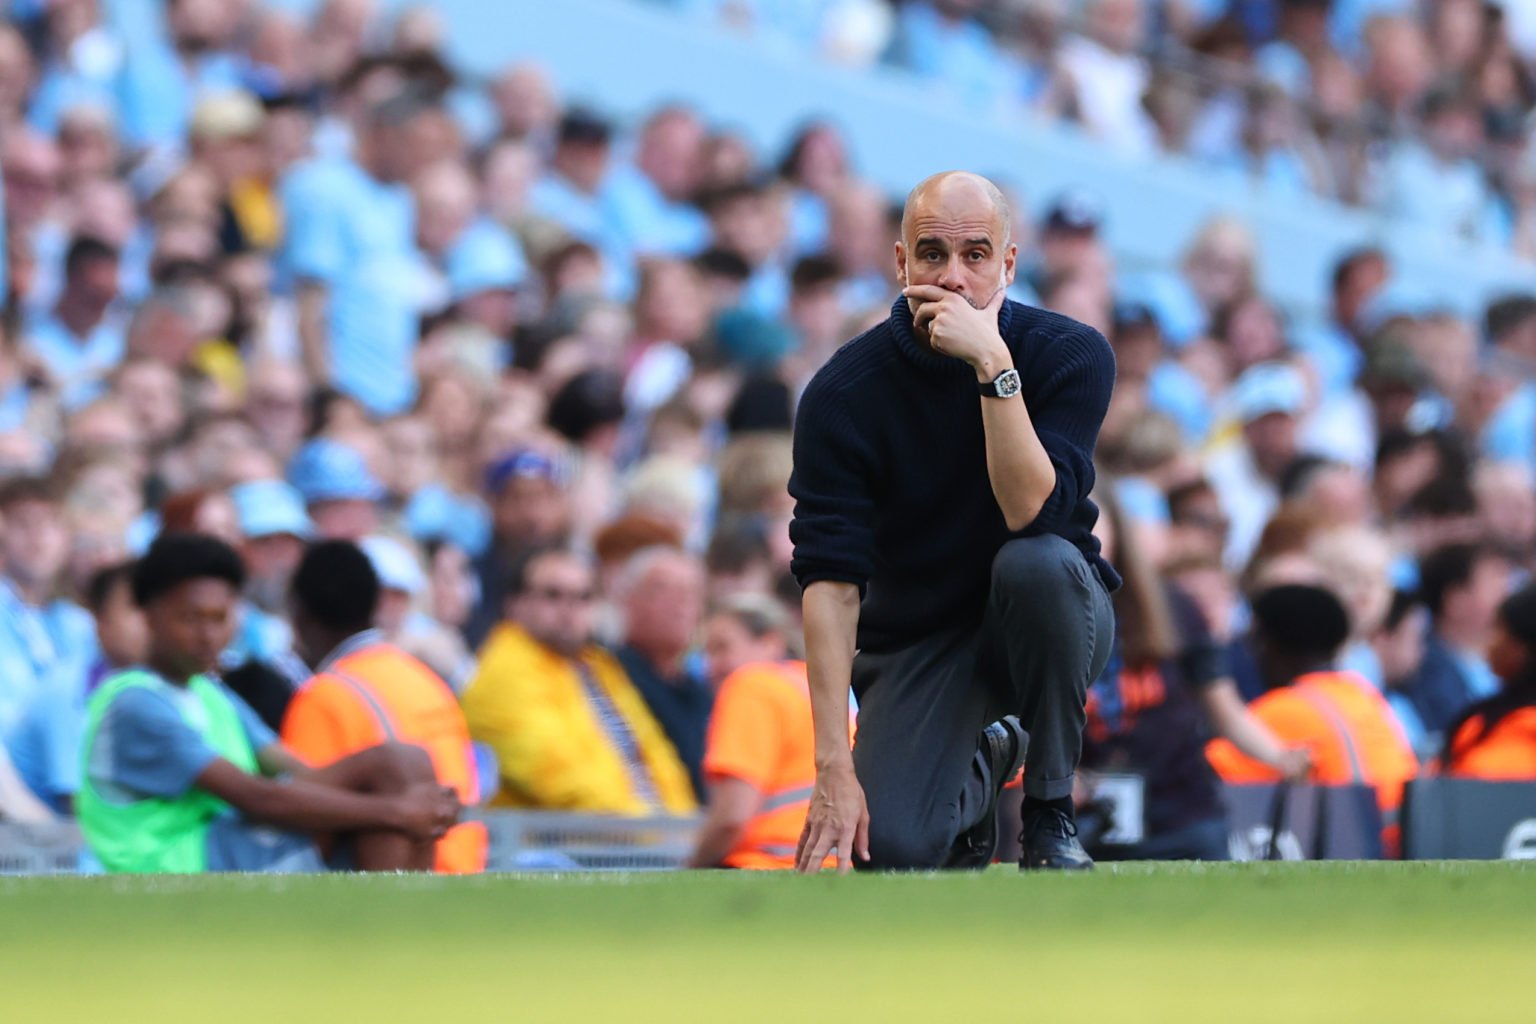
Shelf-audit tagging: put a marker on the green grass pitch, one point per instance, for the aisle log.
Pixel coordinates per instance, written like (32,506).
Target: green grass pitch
(1292,943)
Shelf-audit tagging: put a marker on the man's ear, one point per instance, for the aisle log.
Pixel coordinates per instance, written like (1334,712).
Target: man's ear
(901,264)
(1010,265)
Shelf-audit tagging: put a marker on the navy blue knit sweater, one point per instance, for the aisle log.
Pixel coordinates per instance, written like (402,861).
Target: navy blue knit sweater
(890,481)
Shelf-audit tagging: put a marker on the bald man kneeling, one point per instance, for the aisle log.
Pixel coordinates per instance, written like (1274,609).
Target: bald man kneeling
(943,539)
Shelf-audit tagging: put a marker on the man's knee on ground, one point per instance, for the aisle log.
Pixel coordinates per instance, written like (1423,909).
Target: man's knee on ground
(905,849)
(1035,565)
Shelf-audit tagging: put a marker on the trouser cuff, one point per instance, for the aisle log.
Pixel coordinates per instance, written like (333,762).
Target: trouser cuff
(1048,789)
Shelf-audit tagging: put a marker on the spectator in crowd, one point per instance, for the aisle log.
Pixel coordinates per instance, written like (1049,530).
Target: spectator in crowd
(1340,719)
(41,632)
(45,747)
(649,203)
(404,616)
(1510,431)
(82,339)
(1495,739)
(1268,401)
(1435,182)
(366,691)
(528,489)
(759,762)
(568,728)
(570,192)
(1109,76)
(661,595)
(1148,711)
(181,776)
(340,490)
(350,247)
(1462,586)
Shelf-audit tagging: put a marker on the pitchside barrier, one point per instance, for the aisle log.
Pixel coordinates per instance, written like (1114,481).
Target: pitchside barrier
(1282,821)
(1466,819)
(1264,822)
(1442,818)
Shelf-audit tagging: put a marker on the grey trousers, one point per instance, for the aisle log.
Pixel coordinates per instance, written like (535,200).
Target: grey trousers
(1045,637)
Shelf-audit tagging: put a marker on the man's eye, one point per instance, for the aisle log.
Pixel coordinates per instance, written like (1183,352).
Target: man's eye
(978,256)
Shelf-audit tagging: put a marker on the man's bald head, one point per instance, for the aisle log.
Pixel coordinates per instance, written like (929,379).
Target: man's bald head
(956,234)
(958,193)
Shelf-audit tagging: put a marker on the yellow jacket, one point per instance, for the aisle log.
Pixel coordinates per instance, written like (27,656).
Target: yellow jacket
(527,703)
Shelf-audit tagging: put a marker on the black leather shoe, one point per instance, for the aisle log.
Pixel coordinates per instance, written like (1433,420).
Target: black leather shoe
(1050,841)
(1003,746)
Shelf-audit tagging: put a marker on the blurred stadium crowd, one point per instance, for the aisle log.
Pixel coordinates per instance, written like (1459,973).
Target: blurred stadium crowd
(1417,108)
(275,279)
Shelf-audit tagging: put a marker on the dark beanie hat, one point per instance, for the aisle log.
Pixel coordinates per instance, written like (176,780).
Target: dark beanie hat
(1518,614)
(1301,619)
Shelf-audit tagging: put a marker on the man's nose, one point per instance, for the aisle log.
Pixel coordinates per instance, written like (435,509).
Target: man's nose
(952,279)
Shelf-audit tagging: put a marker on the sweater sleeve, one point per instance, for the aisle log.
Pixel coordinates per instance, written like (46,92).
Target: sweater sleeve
(833,527)
(1067,412)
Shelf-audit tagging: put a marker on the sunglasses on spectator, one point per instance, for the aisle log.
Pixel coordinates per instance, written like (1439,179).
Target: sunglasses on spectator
(556,595)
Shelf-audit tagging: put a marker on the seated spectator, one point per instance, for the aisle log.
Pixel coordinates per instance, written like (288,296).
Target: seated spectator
(1268,401)
(402,616)
(40,632)
(1356,562)
(339,488)
(759,761)
(569,192)
(1495,739)
(349,247)
(661,596)
(569,730)
(944,41)
(1166,678)
(181,776)
(1197,526)
(529,493)
(365,691)
(1435,181)
(46,745)
(1341,720)
(1109,77)
(1399,647)
(648,205)
(82,340)
(1462,585)
(17,804)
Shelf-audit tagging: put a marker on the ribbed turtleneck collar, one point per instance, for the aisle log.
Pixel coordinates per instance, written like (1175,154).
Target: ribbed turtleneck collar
(925,358)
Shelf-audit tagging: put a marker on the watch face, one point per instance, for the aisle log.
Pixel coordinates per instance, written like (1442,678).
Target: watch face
(1007,383)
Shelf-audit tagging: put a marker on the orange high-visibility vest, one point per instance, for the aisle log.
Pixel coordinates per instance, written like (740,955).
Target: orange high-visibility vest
(1506,754)
(760,732)
(380,694)
(1347,726)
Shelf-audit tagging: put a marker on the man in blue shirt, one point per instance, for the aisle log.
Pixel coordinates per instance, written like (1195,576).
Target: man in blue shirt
(41,635)
(648,204)
(1510,433)
(351,251)
(570,191)
(81,341)
(46,746)
(1462,585)
(746,219)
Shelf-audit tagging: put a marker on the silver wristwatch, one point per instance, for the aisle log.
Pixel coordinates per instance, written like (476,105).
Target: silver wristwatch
(1004,385)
